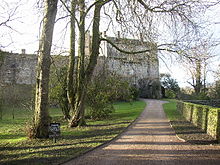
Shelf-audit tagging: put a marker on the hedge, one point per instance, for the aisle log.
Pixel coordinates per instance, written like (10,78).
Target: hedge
(205,117)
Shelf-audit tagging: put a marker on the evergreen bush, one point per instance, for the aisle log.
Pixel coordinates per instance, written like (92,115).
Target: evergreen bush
(103,91)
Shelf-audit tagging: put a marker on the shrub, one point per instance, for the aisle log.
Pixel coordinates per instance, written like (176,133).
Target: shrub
(105,89)
(149,88)
(134,91)
(169,83)
(170,94)
(1,103)
(30,129)
(98,100)
(214,90)
(1,109)
(58,92)
(99,113)
(200,96)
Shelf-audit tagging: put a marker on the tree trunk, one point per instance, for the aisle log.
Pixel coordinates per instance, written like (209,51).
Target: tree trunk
(79,114)
(64,103)
(198,85)
(70,73)
(204,76)
(78,118)
(42,118)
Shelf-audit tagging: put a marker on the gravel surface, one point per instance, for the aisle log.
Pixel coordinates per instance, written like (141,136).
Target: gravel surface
(150,141)
(192,134)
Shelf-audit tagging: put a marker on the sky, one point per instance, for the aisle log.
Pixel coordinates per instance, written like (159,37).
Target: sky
(26,30)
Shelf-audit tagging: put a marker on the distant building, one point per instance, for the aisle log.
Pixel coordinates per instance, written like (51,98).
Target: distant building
(140,69)
(18,68)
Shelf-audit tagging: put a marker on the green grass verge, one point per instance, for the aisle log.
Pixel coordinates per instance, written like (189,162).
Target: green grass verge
(15,148)
(171,111)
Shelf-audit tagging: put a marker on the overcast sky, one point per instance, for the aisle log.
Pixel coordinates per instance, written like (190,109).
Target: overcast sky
(26,26)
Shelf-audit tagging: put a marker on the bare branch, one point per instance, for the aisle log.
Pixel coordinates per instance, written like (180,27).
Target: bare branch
(142,51)
(60,18)
(67,8)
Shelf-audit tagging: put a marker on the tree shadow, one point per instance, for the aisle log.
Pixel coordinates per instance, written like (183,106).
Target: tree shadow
(184,156)
(41,156)
(104,125)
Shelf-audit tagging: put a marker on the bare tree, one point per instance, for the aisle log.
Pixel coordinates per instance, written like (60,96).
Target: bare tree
(70,73)
(132,17)
(8,15)
(83,75)
(197,62)
(41,116)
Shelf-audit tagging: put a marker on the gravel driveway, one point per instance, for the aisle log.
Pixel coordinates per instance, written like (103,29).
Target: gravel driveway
(150,141)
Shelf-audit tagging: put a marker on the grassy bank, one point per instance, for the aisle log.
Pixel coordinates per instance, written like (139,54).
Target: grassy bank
(184,129)
(171,111)
(15,148)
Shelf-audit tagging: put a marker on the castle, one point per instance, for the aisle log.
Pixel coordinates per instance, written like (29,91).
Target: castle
(140,69)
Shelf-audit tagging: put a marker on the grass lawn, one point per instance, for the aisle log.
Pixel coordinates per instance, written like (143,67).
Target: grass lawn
(15,148)
(185,129)
(171,111)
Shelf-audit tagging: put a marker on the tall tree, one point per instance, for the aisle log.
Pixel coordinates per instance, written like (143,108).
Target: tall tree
(83,77)
(71,65)
(132,17)
(196,64)
(168,82)
(41,116)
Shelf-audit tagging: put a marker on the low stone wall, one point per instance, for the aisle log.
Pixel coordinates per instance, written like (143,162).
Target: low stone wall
(202,116)
(20,69)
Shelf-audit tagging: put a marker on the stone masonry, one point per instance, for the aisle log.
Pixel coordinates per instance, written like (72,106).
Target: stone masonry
(20,68)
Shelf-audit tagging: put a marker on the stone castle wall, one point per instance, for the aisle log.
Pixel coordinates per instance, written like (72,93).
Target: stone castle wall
(18,69)
(140,69)
(133,66)
(21,68)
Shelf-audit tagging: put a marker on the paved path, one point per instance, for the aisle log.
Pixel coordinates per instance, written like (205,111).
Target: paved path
(150,141)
